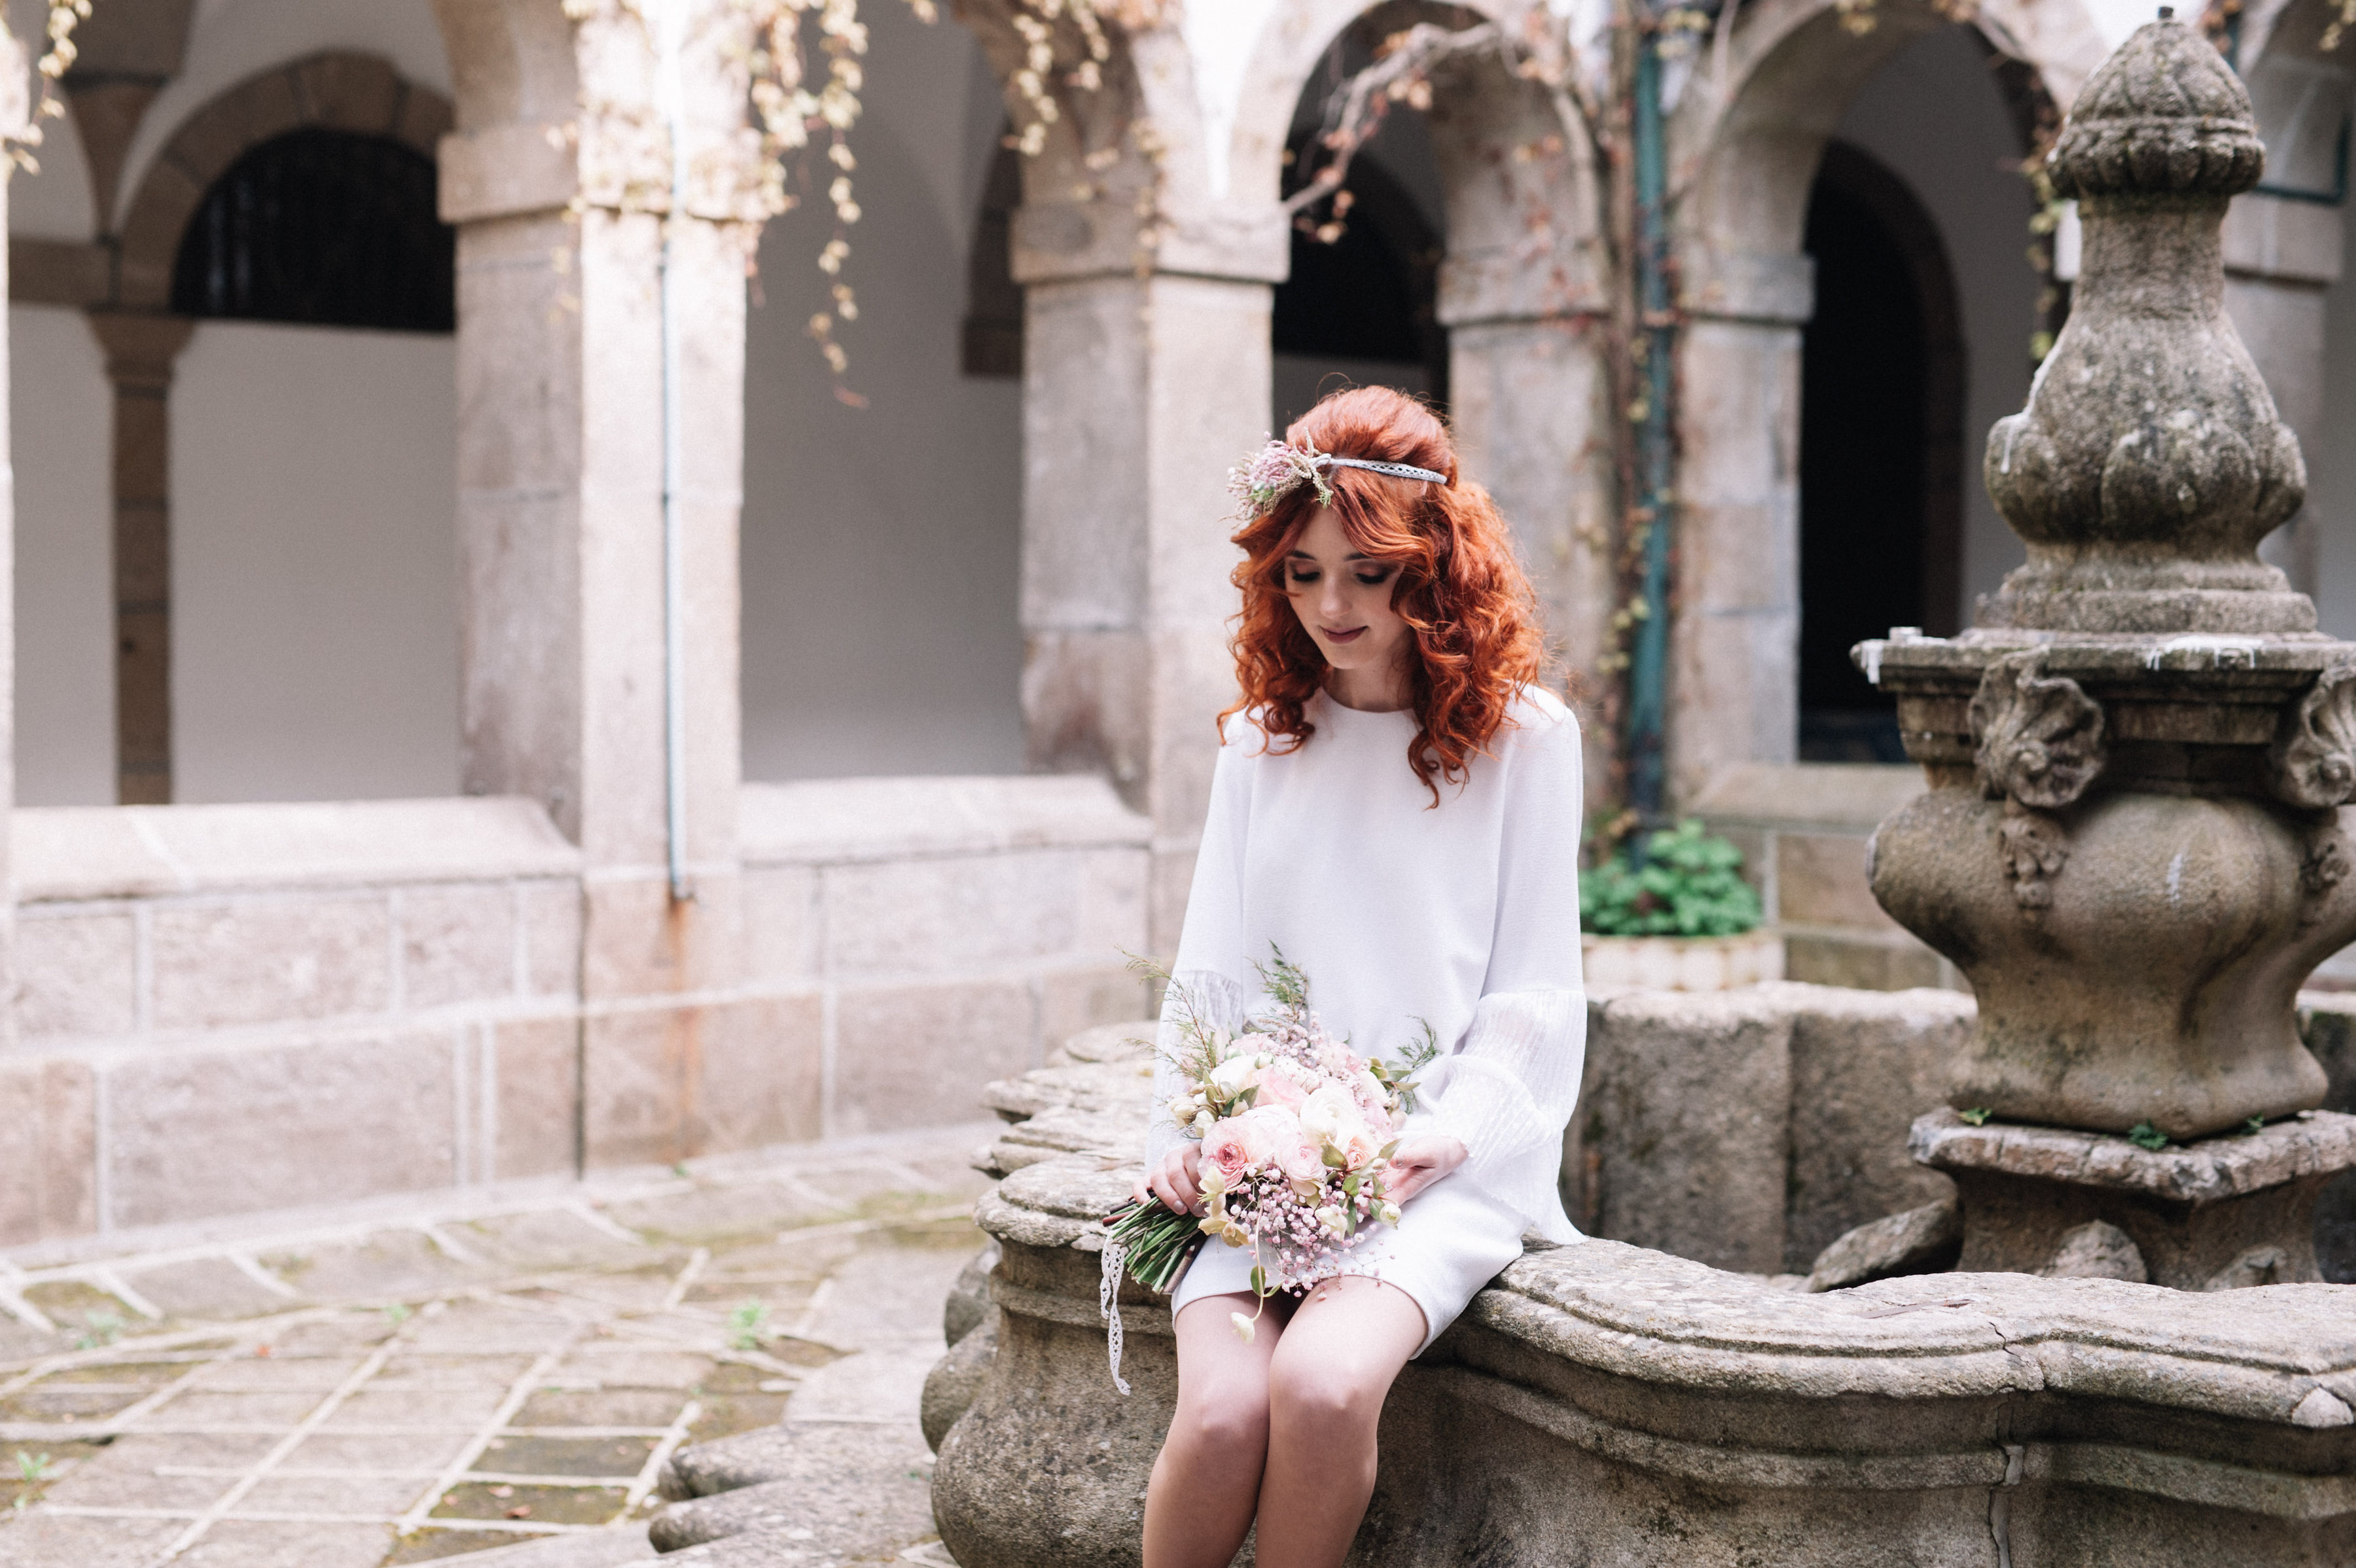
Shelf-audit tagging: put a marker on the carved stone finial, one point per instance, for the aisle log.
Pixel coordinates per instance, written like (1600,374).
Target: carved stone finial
(2163,116)
(2150,459)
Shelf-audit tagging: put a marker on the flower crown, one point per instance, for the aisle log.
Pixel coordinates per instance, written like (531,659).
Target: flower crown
(1278,468)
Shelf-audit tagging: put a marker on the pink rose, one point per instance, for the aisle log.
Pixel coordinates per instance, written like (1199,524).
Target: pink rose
(1227,1147)
(1276,1088)
(1292,1151)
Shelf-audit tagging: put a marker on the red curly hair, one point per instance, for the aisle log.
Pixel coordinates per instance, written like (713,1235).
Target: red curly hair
(1460,588)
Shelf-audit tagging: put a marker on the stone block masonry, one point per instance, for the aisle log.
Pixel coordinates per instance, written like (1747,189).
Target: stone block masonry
(232,1009)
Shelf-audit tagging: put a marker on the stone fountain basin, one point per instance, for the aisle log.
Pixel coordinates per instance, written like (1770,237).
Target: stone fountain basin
(1606,1404)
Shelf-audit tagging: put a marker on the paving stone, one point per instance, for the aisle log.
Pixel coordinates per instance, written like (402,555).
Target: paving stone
(369,1451)
(269,1543)
(53,1541)
(209,1288)
(715,1213)
(551,1239)
(338,1494)
(601,1549)
(870,1298)
(124,1473)
(387,1266)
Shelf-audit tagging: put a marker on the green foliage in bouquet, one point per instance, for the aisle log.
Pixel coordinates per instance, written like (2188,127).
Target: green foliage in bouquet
(1689,885)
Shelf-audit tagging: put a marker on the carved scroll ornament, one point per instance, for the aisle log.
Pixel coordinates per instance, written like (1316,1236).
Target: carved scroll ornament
(2312,763)
(2039,737)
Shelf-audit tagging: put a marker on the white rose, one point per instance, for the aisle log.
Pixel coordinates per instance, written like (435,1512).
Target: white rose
(1235,1075)
(1326,1114)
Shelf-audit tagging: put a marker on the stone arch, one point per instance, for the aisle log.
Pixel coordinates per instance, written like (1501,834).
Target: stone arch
(335,92)
(1745,146)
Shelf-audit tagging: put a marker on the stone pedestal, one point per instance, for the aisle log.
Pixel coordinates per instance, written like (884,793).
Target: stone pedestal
(2218,1214)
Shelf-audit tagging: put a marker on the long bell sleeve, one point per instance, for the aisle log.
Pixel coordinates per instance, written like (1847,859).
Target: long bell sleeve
(1210,972)
(1510,1086)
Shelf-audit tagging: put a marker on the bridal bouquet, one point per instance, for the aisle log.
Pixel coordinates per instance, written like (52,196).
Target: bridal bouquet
(1297,1133)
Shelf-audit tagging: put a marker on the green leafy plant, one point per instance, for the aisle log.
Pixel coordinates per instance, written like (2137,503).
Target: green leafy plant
(748,1326)
(2255,1124)
(1689,884)
(34,1472)
(105,1329)
(2144,1135)
(1977,1115)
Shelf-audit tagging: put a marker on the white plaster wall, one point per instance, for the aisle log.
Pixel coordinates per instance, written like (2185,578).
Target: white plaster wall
(882,546)
(229,40)
(314,565)
(2332,457)
(61,422)
(53,203)
(1934,116)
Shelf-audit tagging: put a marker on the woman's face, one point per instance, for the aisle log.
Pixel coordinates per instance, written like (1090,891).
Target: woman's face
(1343,600)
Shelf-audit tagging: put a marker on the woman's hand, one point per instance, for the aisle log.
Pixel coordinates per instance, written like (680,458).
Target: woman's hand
(1177,1180)
(1418,1162)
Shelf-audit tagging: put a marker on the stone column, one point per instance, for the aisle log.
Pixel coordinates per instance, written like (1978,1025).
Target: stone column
(561,553)
(2283,250)
(140,353)
(2280,257)
(1139,392)
(1525,383)
(1734,644)
(14,78)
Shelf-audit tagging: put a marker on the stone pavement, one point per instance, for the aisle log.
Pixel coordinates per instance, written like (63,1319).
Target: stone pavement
(388,1390)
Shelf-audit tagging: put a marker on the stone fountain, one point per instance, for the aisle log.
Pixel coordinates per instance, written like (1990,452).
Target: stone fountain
(2133,843)
(2134,850)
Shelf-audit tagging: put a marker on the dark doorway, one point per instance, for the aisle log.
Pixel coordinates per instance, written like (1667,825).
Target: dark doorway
(1882,382)
(1361,304)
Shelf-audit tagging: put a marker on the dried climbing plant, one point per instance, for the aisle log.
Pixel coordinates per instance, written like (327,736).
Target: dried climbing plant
(57,59)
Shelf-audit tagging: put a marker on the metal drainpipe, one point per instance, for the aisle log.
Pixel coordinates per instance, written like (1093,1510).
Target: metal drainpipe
(671,41)
(1655,451)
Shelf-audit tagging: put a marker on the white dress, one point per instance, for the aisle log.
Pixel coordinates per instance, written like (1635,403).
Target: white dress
(1464,916)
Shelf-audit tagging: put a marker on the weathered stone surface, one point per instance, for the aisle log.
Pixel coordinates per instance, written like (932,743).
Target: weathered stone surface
(857,1491)
(76,973)
(2087,473)
(1607,1405)
(1107,1043)
(593,1549)
(1686,1118)
(956,1382)
(2133,847)
(968,1302)
(2095,1251)
(2123,964)
(2043,1198)
(1924,1241)
(1863,1066)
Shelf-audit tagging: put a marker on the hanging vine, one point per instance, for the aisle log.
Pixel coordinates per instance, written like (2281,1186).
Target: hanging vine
(57,57)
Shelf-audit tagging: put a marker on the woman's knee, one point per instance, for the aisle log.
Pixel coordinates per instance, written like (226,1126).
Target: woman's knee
(1228,1415)
(1327,1394)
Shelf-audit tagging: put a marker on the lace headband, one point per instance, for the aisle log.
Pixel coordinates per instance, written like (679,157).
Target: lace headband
(1276,470)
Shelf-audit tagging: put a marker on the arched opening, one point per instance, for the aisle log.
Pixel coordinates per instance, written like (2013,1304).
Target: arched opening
(1360,306)
(1881,472)
(321,228)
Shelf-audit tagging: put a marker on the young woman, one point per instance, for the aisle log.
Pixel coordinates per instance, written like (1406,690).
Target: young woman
(1397,807)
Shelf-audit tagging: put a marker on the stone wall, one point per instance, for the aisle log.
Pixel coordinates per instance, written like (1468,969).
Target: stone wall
(1804,829)
(223,1009)
(1748,1129)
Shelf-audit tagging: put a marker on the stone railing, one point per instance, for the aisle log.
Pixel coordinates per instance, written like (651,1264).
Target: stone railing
(1606,1404)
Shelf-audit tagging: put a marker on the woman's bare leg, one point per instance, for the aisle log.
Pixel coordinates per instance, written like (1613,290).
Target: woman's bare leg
(1326,1382)
(1198,1507)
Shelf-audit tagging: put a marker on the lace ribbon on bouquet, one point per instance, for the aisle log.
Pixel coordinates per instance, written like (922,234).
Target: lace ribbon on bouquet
(1116,1260)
